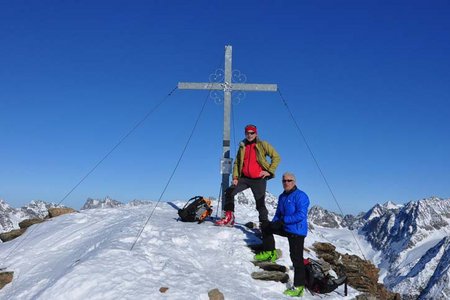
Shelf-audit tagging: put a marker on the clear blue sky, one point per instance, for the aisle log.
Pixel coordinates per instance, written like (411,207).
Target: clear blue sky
(367,81)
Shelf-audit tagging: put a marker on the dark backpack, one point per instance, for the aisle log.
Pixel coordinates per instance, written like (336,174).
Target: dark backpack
(317,281)
(196,209)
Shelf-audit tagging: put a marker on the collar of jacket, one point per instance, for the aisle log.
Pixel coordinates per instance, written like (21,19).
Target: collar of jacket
(291,191)
(245,142)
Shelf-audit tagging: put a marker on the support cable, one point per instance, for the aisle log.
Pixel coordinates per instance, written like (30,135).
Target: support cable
(30,230)
(173,173)
(317,165)
(118,144)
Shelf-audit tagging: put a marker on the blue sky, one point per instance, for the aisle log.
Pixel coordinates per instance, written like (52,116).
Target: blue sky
(367,81)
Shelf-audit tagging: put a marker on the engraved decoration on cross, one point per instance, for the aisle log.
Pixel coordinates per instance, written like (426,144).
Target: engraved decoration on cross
(218,77)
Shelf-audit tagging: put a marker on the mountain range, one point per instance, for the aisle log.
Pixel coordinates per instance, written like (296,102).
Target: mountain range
(10,217)
(410,243)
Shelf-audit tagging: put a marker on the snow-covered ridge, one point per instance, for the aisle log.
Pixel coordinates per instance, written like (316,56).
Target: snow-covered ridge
(87,255)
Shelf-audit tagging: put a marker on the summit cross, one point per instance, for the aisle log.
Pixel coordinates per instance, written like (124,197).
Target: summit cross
(227,87)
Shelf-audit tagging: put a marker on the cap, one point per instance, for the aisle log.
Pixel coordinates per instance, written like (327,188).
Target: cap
(250,127)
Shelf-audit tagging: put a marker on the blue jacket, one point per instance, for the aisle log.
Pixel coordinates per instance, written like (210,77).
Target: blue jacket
(292,209)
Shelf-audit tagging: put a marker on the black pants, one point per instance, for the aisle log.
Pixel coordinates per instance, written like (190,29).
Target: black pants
(296,244)
(258,187)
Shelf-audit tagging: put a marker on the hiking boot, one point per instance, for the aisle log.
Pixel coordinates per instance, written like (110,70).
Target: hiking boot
(295,291)
(228,220)
(267,256)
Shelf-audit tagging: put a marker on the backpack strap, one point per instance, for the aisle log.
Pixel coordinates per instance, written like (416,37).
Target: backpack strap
(208,210)
(192,199)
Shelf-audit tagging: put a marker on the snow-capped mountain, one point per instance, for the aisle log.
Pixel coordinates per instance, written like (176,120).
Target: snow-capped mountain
(322,217)
(105,203)
(412,241)
(400,229)
(11,217)
(246,198)
(427,276)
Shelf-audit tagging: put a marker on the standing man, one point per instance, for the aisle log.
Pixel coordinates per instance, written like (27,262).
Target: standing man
(251,170)
(291,221)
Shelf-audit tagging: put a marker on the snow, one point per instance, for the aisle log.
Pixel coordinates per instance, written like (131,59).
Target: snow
(391,205)
(343,240)
(86,255)
(412,256)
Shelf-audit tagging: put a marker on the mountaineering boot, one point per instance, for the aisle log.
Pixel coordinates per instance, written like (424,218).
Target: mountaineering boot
(228,220)
(271,255)
(295,291)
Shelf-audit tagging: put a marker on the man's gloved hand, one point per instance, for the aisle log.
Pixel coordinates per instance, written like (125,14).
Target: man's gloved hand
(277,225)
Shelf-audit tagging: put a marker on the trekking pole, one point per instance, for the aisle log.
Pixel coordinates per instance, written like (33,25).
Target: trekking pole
(345,286)
(218,201)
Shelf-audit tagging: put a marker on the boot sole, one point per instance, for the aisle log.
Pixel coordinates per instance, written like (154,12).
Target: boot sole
(224,225)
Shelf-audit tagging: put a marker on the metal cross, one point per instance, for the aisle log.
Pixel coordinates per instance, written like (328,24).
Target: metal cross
(227,87)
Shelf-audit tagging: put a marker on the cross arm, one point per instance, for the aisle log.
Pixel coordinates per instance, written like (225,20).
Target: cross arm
(249,87)
(200,86)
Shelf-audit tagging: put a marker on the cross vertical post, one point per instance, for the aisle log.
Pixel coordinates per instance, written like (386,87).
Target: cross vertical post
(227,87)
(226,159)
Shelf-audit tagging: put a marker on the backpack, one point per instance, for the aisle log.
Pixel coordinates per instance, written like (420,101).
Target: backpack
(317,281)
(196,209)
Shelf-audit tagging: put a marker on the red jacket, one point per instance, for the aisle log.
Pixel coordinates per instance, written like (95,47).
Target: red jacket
(251,168)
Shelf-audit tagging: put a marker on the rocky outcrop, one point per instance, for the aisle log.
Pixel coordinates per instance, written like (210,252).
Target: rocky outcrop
(10,235)
(215,294)
(58,211)
(28,222)
(10,217)
(52,212)
(362,275)
(5,278)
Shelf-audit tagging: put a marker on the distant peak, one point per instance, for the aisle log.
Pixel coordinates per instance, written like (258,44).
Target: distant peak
(391,205)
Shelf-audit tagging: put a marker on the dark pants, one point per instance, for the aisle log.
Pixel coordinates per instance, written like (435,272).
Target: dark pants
(296,243)
(258,187)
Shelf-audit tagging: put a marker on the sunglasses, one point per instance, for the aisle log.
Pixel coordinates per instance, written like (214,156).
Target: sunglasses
(287,180)
(250,132)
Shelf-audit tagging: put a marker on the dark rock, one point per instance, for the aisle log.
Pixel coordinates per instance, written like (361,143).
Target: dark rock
(5,278)
(271,276)
(7,236)
(270,266)
(58,211)
(28,222)
(215,294)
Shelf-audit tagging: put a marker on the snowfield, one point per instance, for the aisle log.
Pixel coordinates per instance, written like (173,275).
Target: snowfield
(87,255)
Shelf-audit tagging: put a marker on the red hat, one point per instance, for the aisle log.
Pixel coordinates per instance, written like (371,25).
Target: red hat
(250,128)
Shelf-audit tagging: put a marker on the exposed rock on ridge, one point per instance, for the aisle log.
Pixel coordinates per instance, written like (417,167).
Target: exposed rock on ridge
(362,275)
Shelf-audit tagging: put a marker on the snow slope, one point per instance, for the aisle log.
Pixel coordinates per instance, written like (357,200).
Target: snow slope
(87,255)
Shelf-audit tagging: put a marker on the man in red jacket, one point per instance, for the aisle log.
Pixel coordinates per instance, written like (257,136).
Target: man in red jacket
(251,170)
